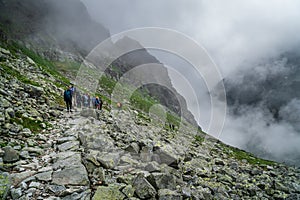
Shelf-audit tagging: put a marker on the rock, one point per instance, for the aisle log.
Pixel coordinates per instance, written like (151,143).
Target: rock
(54,113)
(65,139)
(56,189)
(19,177)
(4,51)
(219,161)
(16,193)
(71,175)
(109,160)
(24,154)
(35,185)
(128,190)
(4,103)
(133,148)
(143,188)
(162,181)
(10,112)
(68,158)
(110,192)
(10,154)
(165,194)
(2,152)
(152,167)
(35,150)
(71,145)
(86,195)
(166,155)
(45,176)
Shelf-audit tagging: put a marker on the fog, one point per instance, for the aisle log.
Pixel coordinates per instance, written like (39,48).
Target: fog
(242,37)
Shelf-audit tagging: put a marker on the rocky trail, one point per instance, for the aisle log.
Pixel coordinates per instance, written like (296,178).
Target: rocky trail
(87,156)
(47,153)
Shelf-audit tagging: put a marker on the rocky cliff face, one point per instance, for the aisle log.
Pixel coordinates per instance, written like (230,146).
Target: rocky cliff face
(47,153)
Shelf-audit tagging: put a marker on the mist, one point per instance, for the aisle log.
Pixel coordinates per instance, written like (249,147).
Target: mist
(247,41)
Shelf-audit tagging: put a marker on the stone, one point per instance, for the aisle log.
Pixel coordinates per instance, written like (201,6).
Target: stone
(10,154)
(109,160)
(128,190)
(165,155)
(4,51)
(5,103)
(143,188)
(35,150)
(219,161)
(110,192)
(65,139)
(44,176)
(19,177)
(16,193)
(71,145)
(152,167)
(10,112)
(68,158)
(34,185)
(56,189)
(71,175)
(2,152)
(86,195)
(165,194)
(162,181)
(24,154)
(133,148)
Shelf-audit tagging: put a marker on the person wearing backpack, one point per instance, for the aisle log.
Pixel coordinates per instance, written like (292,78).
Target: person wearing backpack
(97,103)
(68,98)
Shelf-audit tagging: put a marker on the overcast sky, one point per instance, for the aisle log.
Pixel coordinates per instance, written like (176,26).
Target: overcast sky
(232,31)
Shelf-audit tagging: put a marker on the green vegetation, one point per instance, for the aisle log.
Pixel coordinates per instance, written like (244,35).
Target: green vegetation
(243,155)
(45,65)
(107,84)
(32,124)
(67,67)
(18,75)
(199,139)
(4,186)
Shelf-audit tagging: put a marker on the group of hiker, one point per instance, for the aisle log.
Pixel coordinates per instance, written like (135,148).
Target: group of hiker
(72,97)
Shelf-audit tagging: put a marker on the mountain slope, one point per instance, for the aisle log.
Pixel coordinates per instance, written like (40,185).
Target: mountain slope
(47,153)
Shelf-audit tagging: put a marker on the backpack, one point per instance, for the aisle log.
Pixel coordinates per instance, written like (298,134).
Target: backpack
(68,94)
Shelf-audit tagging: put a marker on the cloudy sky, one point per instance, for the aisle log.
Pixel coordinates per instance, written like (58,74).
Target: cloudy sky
(236,34)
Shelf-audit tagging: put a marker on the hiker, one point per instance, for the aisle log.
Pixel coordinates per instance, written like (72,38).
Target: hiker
(68,98)
(98,103)
(119,105)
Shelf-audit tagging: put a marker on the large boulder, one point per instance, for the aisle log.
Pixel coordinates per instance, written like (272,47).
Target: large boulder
(143,188)
(10,154)
(76,175)
(110,192)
